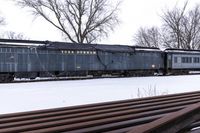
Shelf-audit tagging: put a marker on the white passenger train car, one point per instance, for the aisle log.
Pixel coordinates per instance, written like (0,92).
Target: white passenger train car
(182,61)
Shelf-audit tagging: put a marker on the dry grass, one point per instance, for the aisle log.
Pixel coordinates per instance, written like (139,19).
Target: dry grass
(150,92)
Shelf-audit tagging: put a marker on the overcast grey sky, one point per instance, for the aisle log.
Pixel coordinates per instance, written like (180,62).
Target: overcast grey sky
(133,14)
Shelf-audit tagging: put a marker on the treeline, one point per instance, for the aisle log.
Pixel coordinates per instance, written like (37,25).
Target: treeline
(79,21)
(10,34)
(180,29)
(89,21)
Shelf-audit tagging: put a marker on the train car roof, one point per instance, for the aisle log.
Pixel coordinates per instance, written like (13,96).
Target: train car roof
(19,43)
(173,50)
(73,46)
(7,45)
(99,47)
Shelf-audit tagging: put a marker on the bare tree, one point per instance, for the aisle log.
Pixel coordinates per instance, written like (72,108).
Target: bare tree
(14,35)
(172,32)
(1,20)
(191,29)
(181,28)
(148,37)
(78,20)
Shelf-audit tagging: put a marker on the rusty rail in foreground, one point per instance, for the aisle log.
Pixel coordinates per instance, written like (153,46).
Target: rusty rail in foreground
(173,122)
(168,113)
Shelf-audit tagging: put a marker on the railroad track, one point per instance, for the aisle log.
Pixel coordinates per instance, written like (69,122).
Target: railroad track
(79,78)
(169,113)
(58,79)
(75,78)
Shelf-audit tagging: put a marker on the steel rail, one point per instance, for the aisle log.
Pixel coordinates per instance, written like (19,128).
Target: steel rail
(173,122)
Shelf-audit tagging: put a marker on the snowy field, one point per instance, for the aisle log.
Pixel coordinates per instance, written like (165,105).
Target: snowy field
(19,97)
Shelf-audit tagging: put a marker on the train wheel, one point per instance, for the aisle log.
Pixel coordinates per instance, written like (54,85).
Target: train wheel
(6,78)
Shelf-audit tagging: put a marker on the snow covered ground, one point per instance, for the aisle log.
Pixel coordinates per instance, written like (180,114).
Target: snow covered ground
(19,97)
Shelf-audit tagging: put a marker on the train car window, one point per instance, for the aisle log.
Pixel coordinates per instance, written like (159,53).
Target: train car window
(175,60)
(186,59)
(9,50)
(12,50)
(94,52)
(196,60)
(189,59)
(3,50)
(20,50)
(183,60)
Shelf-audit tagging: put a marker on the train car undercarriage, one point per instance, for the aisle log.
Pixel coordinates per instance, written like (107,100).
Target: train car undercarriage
(9,77)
